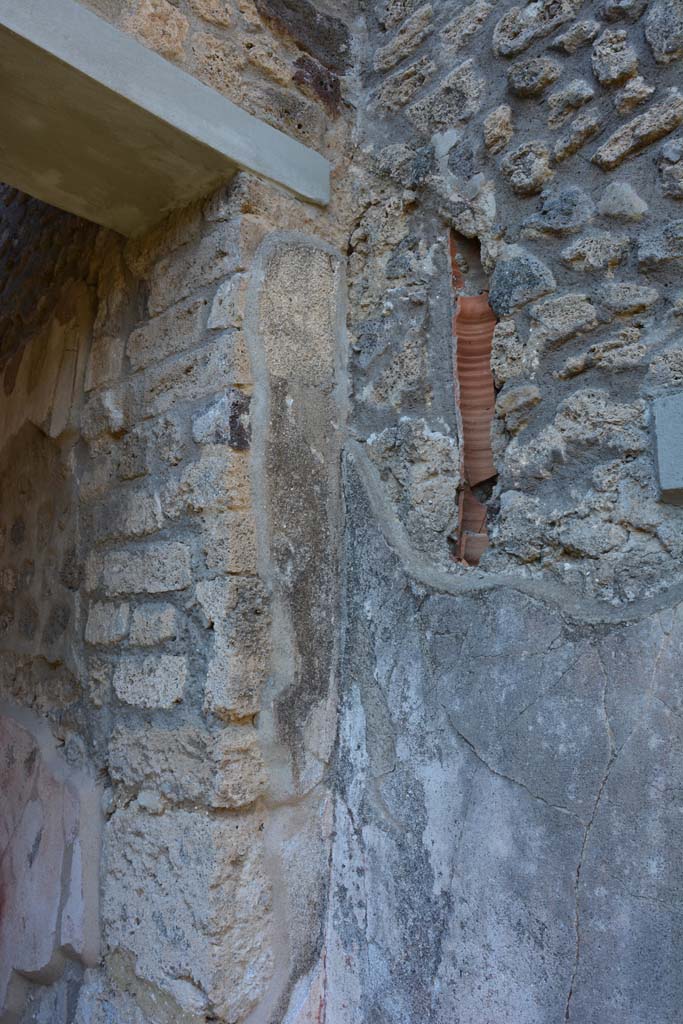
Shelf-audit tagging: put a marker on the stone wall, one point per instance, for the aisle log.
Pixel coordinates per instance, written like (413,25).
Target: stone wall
(344,776)
(509,750)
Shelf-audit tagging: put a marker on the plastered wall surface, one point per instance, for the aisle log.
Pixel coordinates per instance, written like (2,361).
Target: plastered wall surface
(509,753)
(342,776)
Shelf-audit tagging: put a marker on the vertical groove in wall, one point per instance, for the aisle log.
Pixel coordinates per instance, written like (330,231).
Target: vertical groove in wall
(473,326)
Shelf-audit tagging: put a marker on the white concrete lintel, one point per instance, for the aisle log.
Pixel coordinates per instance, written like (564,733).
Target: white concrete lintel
(93,122)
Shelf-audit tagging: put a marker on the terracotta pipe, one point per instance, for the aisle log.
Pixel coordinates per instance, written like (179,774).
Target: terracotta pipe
(473,327)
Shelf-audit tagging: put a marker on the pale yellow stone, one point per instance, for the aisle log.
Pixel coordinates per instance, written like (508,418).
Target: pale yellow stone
(160,26)
(215,11)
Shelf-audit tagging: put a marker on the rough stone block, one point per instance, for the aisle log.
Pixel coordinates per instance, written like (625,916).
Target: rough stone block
(563,317)
(160,26)
(519,278)
(176,330)
(155,681)
(582,129)
(219,253)
(455,100)
(664,30)
(200,935)
(527,168)
(107,623)
(613,60)
(520,26)
(227,309)
(326,38)
(400,88)
(527,78)
(411,34)
(197,374)
(668,431)
(498,128)
(153,624)
(468,22)
(642,131)
(148,569)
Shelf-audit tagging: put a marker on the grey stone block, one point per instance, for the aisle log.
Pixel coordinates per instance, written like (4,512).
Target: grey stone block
(668,426)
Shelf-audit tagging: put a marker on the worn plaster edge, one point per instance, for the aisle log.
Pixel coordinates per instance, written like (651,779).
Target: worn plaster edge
(569,603)
(85,787)
(69,33)
(285,989)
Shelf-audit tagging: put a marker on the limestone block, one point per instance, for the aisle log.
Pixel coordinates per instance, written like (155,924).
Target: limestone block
(399,89)
(507,353)
(660,247)
(527,78)
(176,762)
(145,569)
(420,469)
(159,25)
(664,30)
(520,26)
(219,63)
(563,317)
(107,623)
(668,431)
(154,681)
(563,102)
(215,11)
(613,59)
(219,252)
(454,102)
(498,128)
(298,313)
(642,131)
(239,662)
(135,513)
(514,405)
(582,129)
(624,297)
(323,36)
(240,775)
(200,935)
(227,309)
(229,542)
(635,92)
(519,277)
(198,374)
(153,624)
(527,168)
(177,329)
(577,35)
(226,421)
(601,251)
(411,34)
(220,479)
(468,23)
(621,201)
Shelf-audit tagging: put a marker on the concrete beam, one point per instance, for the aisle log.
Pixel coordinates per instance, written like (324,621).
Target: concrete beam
(94,123)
